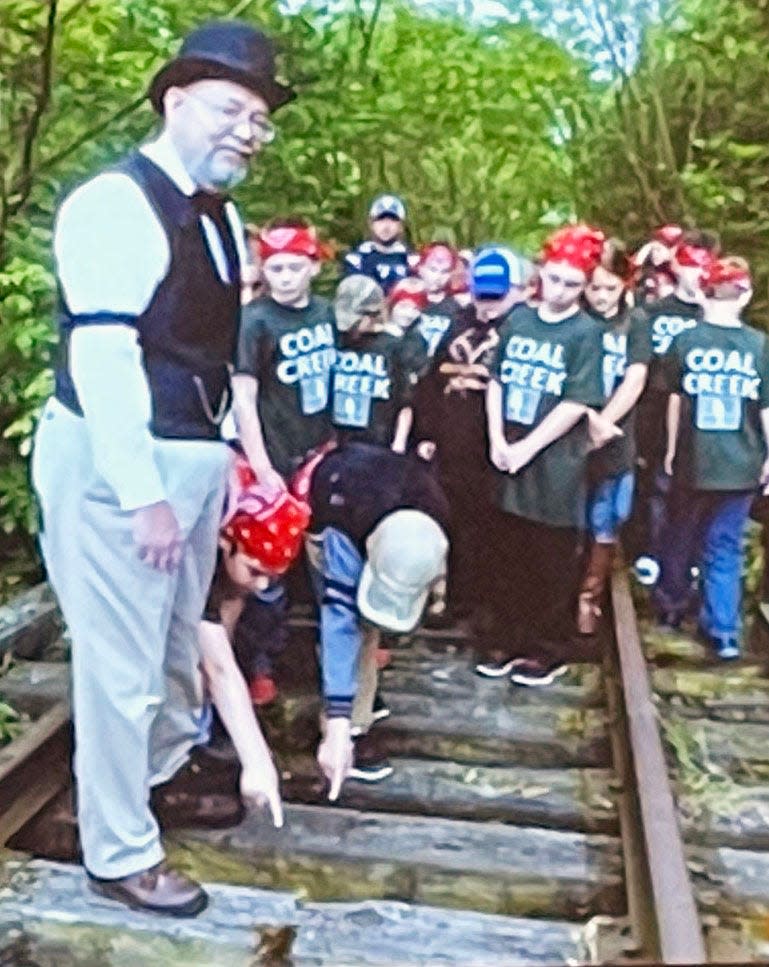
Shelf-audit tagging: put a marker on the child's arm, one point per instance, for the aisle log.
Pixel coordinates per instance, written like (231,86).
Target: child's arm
(403,424)
(259,779)
(497,444)
(672,422)
(765,468)
(556,424)
(627,393)
(245,391)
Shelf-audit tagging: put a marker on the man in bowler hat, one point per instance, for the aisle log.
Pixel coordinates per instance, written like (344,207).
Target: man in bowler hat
(129,464)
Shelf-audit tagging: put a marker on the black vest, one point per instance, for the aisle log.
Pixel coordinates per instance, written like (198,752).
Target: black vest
(188,332)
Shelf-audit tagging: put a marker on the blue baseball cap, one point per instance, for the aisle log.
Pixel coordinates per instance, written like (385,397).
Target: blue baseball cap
(495,269)
(387,206)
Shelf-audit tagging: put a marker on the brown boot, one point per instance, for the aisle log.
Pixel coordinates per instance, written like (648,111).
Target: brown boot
(593,590)
(157,890)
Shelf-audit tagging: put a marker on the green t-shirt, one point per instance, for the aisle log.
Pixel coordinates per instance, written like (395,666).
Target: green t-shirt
(369,386)
(428,331)
(722,375)
(538,365)
(626,341)
(291,353)
(667,318)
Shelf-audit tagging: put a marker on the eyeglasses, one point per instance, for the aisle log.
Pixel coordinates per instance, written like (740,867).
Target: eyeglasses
(231,117)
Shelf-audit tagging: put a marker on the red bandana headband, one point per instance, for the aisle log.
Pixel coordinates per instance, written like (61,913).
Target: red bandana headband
(293,241)
(408,290)
(692,256)
(267,527)
(725,272)
(440,253)
(668,235)
(578,245)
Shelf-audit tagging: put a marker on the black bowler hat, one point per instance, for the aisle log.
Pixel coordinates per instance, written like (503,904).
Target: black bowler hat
(229,50)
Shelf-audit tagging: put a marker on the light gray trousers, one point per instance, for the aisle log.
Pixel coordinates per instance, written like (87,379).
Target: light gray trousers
(137,685)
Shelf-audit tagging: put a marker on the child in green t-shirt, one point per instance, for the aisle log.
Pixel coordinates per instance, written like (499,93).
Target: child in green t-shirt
(286,352)
(436,265)
(626,353)
(370,385)
(718,430)
(545,376)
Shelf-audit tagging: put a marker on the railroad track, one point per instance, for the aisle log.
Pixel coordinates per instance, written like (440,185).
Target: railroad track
(520,826)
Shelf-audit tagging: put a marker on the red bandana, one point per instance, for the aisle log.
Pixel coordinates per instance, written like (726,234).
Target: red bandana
(294,241)
(408,290)
(578,245)
(268,527)
(724,272)
(669,235)
(443,255)
(691,255)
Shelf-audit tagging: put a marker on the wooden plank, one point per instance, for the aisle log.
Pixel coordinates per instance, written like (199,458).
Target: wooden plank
(49,917)
(453,679)
(680,932)
(33,769)
(503,734)
(32,687)
(581,800)
(30,622)
(340,854)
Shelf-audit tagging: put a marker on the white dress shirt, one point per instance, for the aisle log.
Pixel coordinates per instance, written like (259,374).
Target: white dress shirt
(111,254)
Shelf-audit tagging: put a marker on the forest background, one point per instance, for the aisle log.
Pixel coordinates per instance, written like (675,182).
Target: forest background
(494,119)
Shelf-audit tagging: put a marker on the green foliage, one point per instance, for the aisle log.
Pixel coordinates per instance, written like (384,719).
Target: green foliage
(489,129)
(455,119)
(10,723)
(685,136)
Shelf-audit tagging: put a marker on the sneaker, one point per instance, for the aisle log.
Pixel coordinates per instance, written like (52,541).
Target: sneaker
(646,570)
(529,671)
(379,711)
(727,649)
(495,669)
(262,689)
(370,771)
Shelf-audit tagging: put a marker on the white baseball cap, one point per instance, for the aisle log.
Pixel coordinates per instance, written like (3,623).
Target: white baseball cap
(387,205)
(405,555)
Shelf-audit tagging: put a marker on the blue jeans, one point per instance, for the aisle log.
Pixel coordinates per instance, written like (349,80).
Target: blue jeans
(705,528)
(335,568)
(608,506)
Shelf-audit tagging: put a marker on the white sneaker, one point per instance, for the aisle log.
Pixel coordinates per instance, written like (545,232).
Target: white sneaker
(529,671)
(371,772)
(646,570)
(495,669)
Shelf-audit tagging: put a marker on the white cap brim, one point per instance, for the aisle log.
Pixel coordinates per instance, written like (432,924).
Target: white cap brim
(391,610)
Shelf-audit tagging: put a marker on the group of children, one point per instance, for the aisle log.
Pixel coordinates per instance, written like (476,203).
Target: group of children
(554,403)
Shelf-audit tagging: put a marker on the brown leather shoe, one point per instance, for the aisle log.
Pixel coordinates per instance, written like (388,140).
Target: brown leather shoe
(157,890)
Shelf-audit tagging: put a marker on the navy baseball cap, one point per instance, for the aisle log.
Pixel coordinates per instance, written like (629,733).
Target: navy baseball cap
(495,269)
(387,206)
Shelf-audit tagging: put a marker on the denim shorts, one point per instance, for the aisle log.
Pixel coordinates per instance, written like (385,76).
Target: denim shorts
(609,505)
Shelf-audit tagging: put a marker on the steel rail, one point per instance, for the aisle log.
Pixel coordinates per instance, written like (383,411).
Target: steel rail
(679,930)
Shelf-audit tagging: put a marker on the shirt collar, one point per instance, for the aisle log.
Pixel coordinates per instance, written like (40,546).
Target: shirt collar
(162,153)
